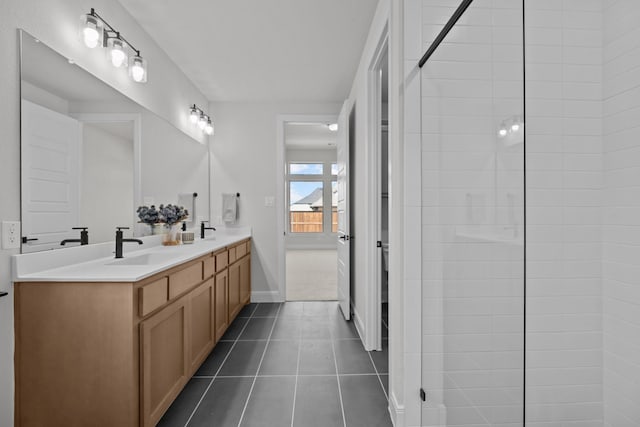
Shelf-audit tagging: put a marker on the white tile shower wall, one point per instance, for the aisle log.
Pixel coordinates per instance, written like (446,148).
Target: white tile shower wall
(472,216)
(564,213)
(621,234)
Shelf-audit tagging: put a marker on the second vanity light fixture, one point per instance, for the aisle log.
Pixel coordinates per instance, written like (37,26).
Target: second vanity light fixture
(95,31)
(197,116)
(510,125)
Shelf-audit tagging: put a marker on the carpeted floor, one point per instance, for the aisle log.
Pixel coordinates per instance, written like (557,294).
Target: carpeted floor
(312,275)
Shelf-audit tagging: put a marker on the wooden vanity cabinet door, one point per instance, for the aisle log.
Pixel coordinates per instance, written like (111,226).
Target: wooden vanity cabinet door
(245,280)
(221,303)
(234,291)
(163,359)
(201,323)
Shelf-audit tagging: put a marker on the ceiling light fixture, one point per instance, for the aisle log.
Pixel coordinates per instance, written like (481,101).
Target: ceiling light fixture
(202,120)
(95,31)
(333,127)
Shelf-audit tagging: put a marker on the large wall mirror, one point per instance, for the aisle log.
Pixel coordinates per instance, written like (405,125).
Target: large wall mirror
(90,155)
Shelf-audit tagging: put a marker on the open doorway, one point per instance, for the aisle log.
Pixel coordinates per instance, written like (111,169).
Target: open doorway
(311,217)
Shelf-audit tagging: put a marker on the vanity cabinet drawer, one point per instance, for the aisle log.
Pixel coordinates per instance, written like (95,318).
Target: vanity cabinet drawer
(222,260)
(153,296)
(238,251)
(209,266)
(185,279)
(241,250)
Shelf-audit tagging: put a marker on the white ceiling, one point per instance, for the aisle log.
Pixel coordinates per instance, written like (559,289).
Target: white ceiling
(309,136)
(258,50)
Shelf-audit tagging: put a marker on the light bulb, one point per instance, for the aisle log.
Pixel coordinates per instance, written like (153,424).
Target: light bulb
(91,29)
(333,127)
(116,51)
(138,69)
(515,127)
(502,132)
(193,115)
(208,129)
(91,35)
(137,72)
(202,122)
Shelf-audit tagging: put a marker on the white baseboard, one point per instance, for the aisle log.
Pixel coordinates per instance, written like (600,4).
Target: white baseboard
(396,411)
(357,320)
(265,296)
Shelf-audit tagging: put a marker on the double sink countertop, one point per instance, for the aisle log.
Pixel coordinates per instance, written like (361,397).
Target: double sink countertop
(97,263)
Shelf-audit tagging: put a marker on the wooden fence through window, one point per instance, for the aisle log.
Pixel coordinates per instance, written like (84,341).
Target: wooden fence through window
(310,222)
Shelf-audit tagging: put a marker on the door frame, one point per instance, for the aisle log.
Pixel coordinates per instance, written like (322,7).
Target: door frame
(281,195)
(373,316)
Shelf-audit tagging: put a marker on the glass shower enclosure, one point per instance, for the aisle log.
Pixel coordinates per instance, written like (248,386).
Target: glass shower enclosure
(511,214)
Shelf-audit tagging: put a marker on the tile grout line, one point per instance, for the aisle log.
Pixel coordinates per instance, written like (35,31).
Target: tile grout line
(335,363)
(246,403)
(378,375)
(218,370)
(295,388)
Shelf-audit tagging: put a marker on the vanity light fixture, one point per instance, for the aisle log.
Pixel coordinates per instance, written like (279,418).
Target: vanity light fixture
(194,115)
(117,50)
(95,31)
(202,120)
(208,128)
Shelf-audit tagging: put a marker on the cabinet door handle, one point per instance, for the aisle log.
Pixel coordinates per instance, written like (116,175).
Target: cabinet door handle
(25,239)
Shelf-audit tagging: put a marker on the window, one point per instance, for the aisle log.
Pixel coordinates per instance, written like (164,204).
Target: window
(305,168)
(306,208)
(311,191)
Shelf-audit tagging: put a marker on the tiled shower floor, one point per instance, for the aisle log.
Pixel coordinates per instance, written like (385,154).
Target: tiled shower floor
(287,364)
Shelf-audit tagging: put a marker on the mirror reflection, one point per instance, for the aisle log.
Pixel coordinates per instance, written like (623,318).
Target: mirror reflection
(90,156)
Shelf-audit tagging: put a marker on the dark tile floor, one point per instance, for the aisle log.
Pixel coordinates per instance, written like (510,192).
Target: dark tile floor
(287,364)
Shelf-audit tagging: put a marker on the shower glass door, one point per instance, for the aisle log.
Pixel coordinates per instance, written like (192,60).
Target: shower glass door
(473,289)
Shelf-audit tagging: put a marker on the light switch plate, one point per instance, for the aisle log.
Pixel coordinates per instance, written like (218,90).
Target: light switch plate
(10,234)
(269,201)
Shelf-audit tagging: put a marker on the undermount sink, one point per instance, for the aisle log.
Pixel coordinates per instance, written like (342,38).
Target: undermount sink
(145,259)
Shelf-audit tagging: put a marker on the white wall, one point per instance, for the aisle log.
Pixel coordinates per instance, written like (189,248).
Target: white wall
(171,162)
(167,93)
(243,160)
(106,158)
(621,260)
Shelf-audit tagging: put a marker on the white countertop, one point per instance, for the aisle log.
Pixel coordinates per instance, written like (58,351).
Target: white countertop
(96,263)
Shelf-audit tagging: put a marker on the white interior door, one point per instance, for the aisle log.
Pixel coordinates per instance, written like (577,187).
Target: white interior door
(50,177)
(344,238)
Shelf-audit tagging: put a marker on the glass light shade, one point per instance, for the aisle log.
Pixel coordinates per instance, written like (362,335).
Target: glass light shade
(138,69)
(333,127)
(117,51)
(91,30)
(193,115)
(202,122)
(515,127)
(208,128)
(502,132)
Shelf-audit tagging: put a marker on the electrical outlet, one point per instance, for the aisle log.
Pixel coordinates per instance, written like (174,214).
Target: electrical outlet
(10,234)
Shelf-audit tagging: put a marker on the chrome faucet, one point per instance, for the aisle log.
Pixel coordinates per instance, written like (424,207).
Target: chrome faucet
(120,240)
(203,228)
(84,237)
